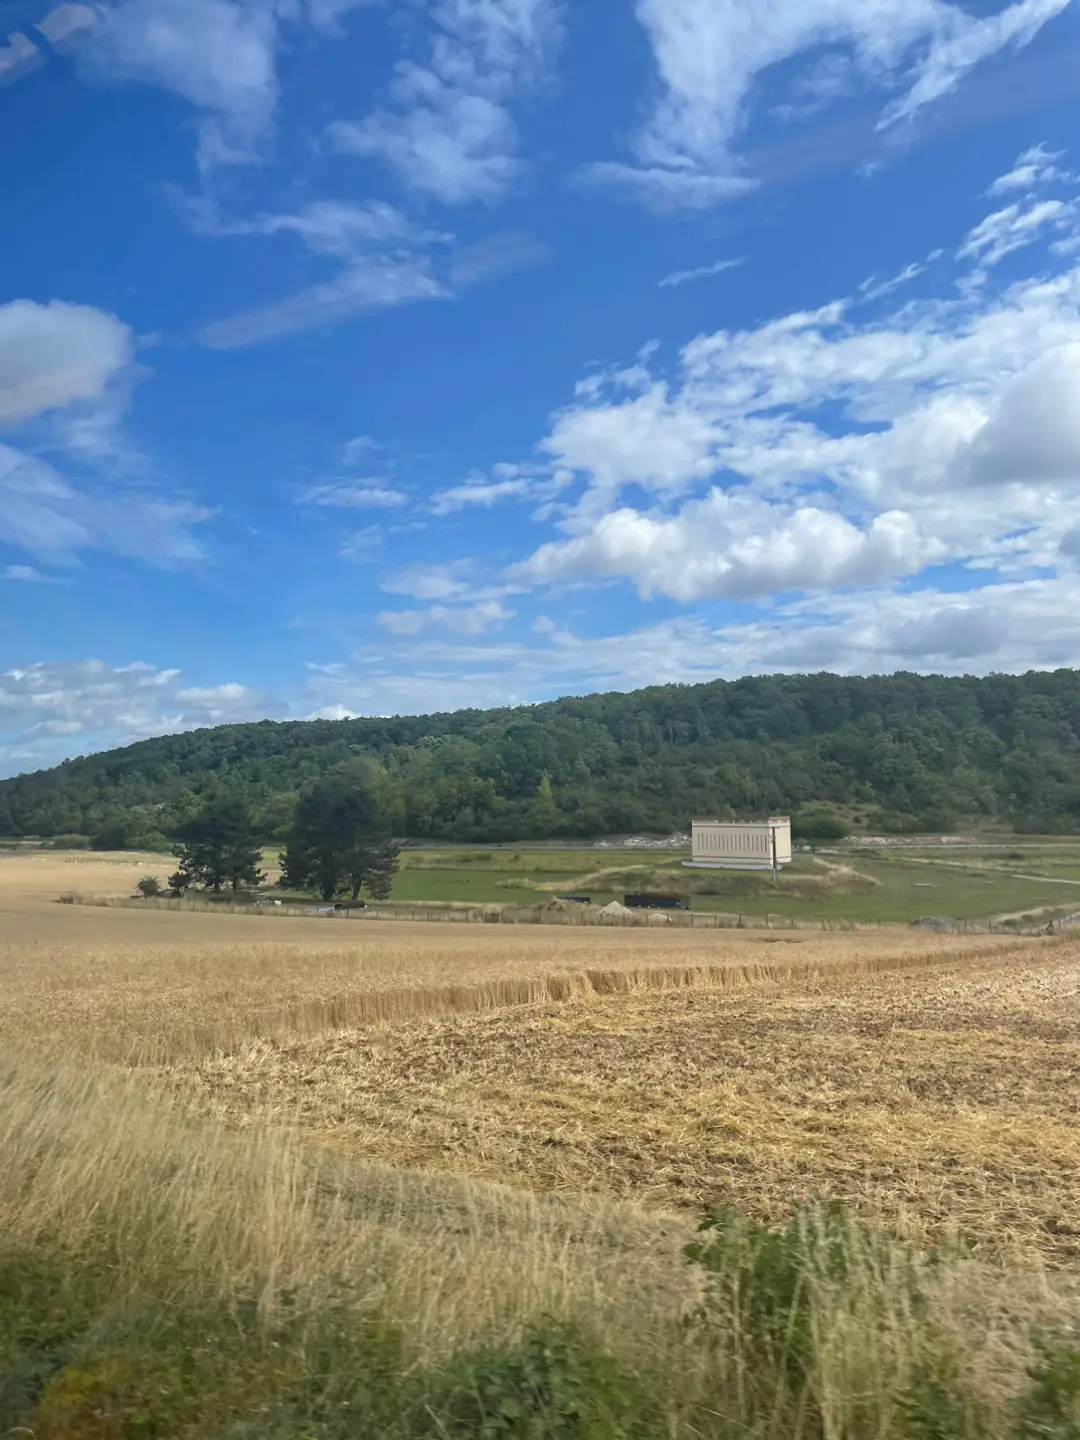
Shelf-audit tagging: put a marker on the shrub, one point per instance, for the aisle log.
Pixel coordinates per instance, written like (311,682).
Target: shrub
(819,825)
(775,1297)
(938,1405)
(553,1386)
(149,886)
(1050,1410)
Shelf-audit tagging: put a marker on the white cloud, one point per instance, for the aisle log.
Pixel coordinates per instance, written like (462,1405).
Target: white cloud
(1033,432)
(1033,168)
(448,131)
(822,450)
(389,260)
(215,698)
(326,14)
(875,289)
(1014,227)
(48,711)
(458,620)
(1008,627)
(479,492)
(424,581)
(662,189)
(513,482)
(379,284)
(731,546)
(647,440)
(219,55)
(967,41)
(711,54)
(51,355)
(362,546)
(700,272)
(342,228)
(54,519)
(52,709)
(29,576)
(66,24)
(359,445)
(19,56)
(353,495)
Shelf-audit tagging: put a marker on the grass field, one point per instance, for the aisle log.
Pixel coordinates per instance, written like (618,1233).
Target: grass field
(859,884)
(282,1179)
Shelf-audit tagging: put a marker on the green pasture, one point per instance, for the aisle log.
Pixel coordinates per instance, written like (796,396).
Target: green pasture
(888,888)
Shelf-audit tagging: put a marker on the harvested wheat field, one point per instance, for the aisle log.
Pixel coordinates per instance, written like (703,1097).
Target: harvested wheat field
(299,1138)
(940,1101)
(929,1081)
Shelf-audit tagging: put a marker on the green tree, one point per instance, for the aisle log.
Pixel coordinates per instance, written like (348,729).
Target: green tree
(373,865)
(220,846)
(819,825)
(340,840)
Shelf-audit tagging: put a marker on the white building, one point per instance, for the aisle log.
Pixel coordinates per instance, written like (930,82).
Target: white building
(741,844)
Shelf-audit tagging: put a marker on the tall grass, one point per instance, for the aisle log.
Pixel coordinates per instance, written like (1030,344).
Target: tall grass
(158,1279)
(162,1276)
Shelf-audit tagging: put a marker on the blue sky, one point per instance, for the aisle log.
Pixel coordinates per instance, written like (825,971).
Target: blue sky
(368,358)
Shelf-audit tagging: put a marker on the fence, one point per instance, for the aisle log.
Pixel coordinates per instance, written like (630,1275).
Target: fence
(579,915)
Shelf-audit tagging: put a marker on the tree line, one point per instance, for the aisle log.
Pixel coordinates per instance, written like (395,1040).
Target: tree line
(339,843)
(912,752)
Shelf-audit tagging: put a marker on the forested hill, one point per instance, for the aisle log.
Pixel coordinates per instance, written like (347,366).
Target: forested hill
(927,752)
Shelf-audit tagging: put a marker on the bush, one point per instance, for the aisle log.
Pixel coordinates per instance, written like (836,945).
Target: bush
(819,825)
(553,1386)
(773,1297)
(149,886)
(1050,1410)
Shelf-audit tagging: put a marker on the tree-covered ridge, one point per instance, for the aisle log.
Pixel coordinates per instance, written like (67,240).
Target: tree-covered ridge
(929,751)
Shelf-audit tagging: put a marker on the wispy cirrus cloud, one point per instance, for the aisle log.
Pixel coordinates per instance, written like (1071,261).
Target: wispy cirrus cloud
(372,494)
(699,272)
(710,55)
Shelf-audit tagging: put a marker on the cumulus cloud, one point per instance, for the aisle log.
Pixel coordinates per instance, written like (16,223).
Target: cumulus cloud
(730,546)
(822,450)
(51,355)
(1007,627)
(53,709)
(448,131)
(710,55)
(1033,433)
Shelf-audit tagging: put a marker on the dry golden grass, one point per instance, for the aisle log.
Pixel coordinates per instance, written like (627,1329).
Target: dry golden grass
(157,986)
(939,1101)
(85,1154)
(475,1126)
